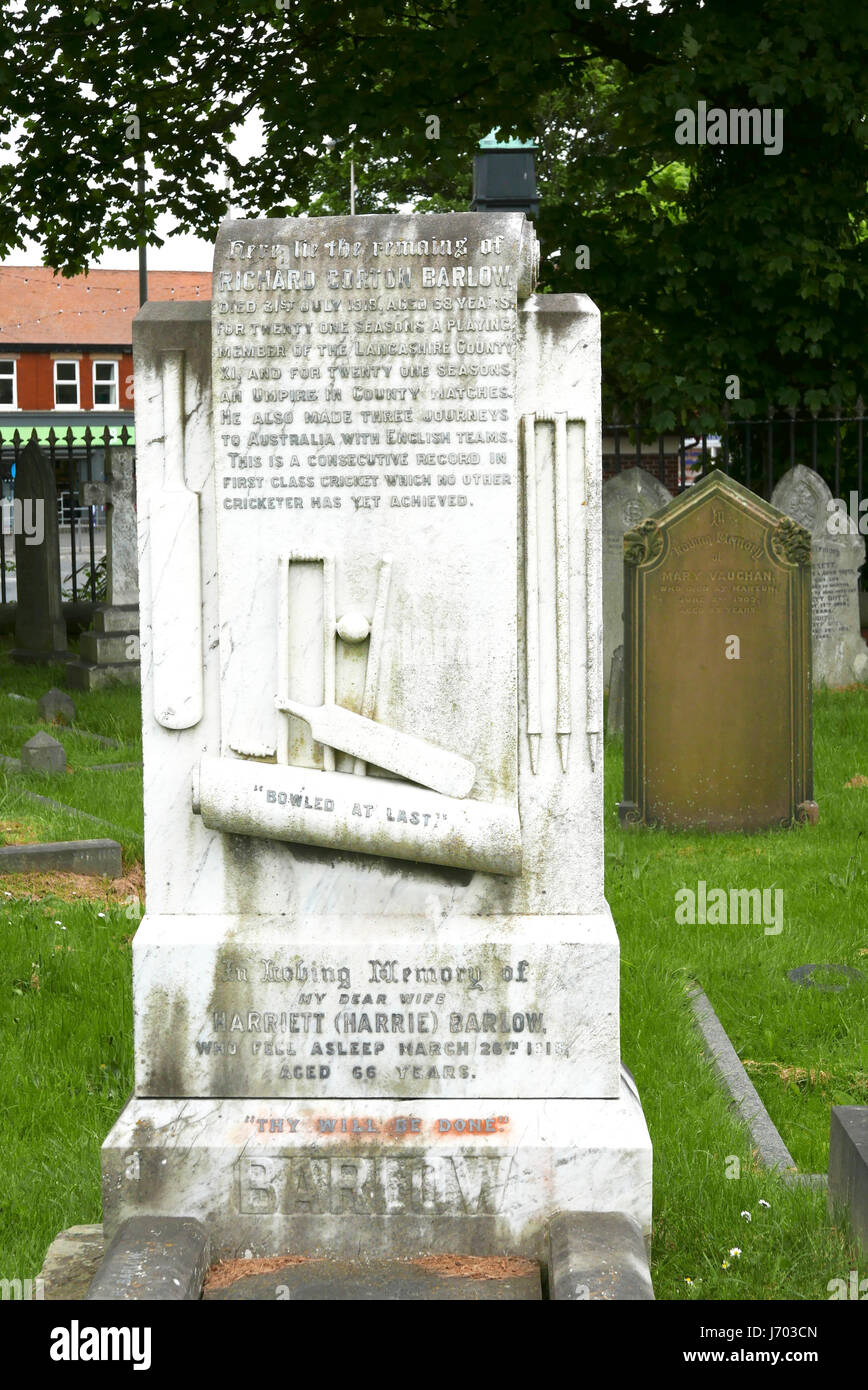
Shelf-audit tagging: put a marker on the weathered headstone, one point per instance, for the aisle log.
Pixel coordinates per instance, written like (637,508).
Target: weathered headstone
(56,706)
(370,1012)
(111,651)
(42,753)
(118,495)
(615,713)
(40,632)
(717,729)
(628,498)
(840,655)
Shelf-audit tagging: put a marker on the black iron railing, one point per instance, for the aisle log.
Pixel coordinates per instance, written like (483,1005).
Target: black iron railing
(756,452)
(74,454)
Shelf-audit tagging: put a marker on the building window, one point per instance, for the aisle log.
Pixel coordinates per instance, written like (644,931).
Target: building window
(66,385)
(105,384)
(8,384)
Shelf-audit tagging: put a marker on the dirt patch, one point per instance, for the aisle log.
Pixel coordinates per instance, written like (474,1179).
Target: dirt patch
(227,1272)
(477,1266)
(33,887)
(807,1076)
(17,832)
(860,780)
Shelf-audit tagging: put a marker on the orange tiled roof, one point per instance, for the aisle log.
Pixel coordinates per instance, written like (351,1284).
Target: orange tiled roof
(37,306)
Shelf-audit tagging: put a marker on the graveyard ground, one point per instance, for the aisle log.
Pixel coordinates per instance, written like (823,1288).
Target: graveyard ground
(66,1011)
(805,1050)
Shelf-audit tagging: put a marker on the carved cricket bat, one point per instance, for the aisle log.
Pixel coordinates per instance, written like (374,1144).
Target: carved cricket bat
(404,754)
(176,583)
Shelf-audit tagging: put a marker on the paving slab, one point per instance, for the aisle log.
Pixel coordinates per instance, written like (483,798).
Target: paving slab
(346,1281)
(98,858)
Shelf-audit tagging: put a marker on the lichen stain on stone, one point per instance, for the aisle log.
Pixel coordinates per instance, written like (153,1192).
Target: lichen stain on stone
(241,871)
(165,1030)
(226,1068)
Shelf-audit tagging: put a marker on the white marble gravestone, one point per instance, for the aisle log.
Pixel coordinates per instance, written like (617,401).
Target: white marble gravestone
(628,498)
(840,655)
(376,989)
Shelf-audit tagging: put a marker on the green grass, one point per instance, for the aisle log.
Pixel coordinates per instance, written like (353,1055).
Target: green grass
(114,797)
(807,1048)
(65,969)
(66,1024)
(66,1069)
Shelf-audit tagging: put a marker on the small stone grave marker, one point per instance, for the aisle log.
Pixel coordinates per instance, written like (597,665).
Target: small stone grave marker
(56,707)
(42,753)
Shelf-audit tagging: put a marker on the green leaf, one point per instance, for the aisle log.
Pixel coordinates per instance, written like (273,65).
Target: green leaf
(689,43)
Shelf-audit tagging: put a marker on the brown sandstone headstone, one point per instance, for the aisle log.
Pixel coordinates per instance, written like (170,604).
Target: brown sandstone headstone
(717,664)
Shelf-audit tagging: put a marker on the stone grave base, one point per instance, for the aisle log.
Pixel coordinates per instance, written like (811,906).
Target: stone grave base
(25,657)
(85,675)
(71,1261)
(588,1255)
(110,652)
(848,662)
(316,1177)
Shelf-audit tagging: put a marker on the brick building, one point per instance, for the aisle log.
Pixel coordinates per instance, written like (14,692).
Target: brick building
(66,345)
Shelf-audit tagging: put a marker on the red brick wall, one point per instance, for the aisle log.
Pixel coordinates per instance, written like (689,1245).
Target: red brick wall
(36,380)
(651,464)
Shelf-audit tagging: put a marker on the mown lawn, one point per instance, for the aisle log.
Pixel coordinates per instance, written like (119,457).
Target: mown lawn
(65,976)
(805,1050)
